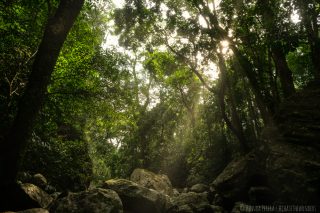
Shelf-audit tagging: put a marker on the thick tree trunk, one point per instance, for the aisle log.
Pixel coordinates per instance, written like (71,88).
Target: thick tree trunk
(315,50)
(235,124)
(54,36)
(309,17)
(247,69)
(282,67)
(269,22)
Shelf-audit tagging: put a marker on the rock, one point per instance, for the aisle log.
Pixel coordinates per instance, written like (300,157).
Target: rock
(217,209)
(260,195)
(136,198)
(212,193)
(217,200)
(196,202)
(17,197)
(158,182)
(293,163)
(190,198)
(35,210)
(195,179)
(24,177)
(36,179)
(240,207)
(180,190)
(37,194)
(298,118)
(286,168)
(280,171)
(198,209)
(176,192)
(194,209)
(94,201)
(181,209)
(294,173)
(39,180)
(198,188)
(55,195)
(13,198)
(50,189)
(234,182)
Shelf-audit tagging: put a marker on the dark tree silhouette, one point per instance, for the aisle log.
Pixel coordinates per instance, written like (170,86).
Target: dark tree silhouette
(30,103)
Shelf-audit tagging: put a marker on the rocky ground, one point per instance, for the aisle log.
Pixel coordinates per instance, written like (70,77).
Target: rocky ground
(241,186)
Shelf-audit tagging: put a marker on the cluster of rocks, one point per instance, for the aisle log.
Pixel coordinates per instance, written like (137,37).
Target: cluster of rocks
(273,174)
(144,192)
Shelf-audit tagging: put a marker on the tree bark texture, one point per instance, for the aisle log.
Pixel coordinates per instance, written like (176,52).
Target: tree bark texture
(282,68)
(235,124)
(30,103)
(278,55)
(309,17)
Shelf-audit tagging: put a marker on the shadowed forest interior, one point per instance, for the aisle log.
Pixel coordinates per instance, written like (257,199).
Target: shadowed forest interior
(159,105)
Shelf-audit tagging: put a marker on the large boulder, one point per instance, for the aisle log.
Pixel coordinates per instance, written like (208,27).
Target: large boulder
(286,168)
(158,182)
(36,179)
(17,197)
(199,188)
(294,173)
(239,175)
(298,118)
(39,180)
(37,194)
(293,163)
(136,198)
(283,172)
(93,201)
(24,177)
(190,202)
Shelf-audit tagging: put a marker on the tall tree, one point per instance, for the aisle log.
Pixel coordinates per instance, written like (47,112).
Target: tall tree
(309,12)
(268,10)
(30,103)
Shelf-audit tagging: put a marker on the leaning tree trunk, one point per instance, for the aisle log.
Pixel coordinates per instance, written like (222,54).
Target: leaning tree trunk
(30,103)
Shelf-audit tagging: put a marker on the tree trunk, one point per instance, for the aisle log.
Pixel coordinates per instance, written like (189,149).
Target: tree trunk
(30,103)
(235,124)
(269,23)
(245,65)
(273,81)
(246,68)
(282,67)
(309,18)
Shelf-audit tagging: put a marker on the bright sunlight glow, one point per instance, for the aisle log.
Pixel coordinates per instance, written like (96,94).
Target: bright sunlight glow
(295,18)
(212,71)
(203,22)
(118,3)
(225,46)
(186,14)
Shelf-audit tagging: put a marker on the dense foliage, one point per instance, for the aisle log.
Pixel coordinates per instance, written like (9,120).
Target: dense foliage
(190,86)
